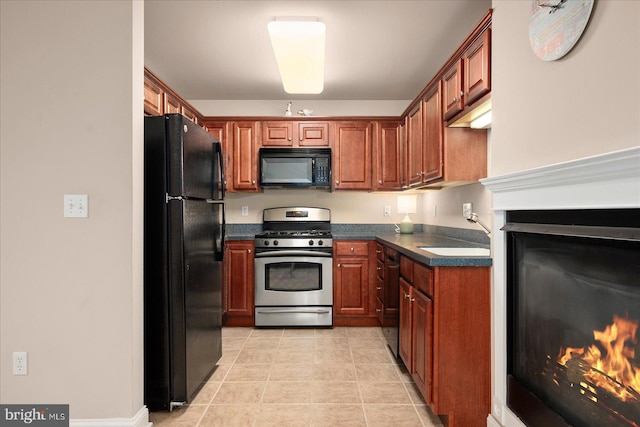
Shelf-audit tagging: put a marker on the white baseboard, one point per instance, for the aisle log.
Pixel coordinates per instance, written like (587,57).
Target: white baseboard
(141,419)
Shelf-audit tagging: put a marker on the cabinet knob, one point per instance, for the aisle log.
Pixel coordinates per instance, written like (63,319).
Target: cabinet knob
(378,268)
(248,251)
(461,93)
(300,139)
(379,181)
(253,181)
(406,296)
(378,252)
(455,99)
(352,249)
(337,182)
(290,139)
(378,310)
(412,299)
(378,288)
(339,265)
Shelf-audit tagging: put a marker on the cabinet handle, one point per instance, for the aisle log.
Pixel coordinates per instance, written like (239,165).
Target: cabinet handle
(412,299)
(378,310)
(378,288)
(406,296)
(378,252)
(378,268)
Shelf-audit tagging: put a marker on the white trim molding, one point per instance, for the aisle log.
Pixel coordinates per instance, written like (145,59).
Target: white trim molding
(140,419)
(607,181)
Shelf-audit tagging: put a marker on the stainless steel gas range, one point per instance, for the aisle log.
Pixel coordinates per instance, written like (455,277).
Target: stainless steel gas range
(294,268)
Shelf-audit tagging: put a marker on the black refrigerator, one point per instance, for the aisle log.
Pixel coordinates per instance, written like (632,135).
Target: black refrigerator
(184,221)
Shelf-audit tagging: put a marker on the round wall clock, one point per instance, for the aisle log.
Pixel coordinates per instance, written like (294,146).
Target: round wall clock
(555,26)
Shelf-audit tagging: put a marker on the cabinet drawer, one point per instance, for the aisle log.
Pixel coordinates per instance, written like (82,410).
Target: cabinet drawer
(347,248)
(423,279)
(406,269)
(391,254)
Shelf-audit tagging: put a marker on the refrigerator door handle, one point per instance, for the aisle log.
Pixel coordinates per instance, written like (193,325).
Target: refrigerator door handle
(218,169)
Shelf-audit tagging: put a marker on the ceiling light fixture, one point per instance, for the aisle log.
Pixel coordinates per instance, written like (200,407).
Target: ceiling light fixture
(299,47)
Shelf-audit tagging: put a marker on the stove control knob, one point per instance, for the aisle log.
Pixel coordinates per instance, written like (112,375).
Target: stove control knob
(320,243)
(275,243)
(266,243)
(311,242)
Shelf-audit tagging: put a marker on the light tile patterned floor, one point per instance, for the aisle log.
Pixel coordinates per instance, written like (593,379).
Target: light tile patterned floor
(304,377)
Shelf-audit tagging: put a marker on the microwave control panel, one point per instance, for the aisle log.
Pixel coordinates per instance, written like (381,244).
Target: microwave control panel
(322,170)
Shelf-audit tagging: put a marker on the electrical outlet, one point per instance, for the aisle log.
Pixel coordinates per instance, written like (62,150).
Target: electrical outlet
(387,211)
(20,363)
(245,211)
(467,208)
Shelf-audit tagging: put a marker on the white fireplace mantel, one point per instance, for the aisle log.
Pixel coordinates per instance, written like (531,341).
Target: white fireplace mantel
(607,181)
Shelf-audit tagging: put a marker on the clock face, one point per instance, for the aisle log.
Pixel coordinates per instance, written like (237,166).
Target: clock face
(555,26)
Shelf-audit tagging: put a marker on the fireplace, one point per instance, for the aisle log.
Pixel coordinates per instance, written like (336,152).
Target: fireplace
(605,183)
(573,306)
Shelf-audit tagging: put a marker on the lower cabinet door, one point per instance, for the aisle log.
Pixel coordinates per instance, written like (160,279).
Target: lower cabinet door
(422,338)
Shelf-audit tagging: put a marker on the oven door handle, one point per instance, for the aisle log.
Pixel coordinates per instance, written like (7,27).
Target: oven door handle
(293,310)
(292,253)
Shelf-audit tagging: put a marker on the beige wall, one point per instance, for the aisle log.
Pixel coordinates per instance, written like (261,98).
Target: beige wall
(584,104)
(71,112)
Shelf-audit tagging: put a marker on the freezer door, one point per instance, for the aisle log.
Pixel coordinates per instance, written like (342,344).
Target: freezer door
(190,156)
(196,288)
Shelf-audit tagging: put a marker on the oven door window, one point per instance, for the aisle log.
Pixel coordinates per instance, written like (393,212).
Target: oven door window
(293,276)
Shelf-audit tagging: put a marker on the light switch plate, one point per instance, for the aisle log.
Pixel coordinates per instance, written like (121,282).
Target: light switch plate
(76,206)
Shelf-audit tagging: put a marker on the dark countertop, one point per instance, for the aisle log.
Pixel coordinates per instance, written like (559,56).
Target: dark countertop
(406,244)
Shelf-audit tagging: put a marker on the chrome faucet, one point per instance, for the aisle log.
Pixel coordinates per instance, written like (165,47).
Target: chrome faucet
(476,220)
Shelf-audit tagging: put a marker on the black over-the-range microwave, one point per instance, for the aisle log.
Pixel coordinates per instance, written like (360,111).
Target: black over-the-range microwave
(295,167)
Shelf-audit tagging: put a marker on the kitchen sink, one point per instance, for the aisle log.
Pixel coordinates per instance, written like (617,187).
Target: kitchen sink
(457,252)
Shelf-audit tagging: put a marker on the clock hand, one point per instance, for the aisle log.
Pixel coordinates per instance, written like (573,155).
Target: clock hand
(552,7)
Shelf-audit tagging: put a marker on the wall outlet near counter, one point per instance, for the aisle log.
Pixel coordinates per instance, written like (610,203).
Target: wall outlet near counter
(245,211)
(467,208)
(387,210)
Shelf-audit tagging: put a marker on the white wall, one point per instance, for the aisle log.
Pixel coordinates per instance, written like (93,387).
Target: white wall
(319,108)
(71,289)
(584,104)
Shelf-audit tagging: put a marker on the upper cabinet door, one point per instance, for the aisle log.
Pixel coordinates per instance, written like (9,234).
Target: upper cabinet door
(277,134)
(245,162)
(433,134)
(352,156)
(153,98)
(477,68)
(388,171)
(313,134)
(413,157)
(452,90)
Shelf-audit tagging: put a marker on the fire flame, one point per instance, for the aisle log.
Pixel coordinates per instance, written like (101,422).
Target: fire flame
(615,361)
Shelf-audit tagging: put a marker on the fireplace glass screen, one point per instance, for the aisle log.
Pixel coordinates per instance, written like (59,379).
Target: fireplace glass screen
(574,345)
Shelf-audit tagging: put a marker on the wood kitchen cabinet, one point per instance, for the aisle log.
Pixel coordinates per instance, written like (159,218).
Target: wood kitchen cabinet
(244,154)
(388,166)
(160,99)
(353,273)
(433,140)
(445,338)
(352,155)
(452,89)
(221,130)
(239,283)
(414,146)
(295,134)
(469,78)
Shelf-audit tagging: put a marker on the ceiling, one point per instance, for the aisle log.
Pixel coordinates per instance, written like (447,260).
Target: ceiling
(375,50)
